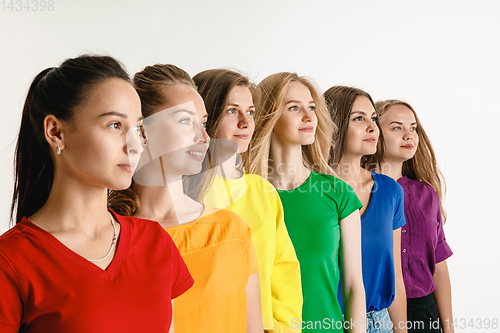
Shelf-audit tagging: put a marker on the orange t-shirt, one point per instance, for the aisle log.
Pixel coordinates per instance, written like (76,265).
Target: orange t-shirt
(219,254)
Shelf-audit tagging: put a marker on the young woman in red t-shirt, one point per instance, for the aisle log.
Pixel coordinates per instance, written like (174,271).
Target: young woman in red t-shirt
(69,264)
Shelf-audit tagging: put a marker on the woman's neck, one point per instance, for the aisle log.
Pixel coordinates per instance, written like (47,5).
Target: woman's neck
(168,205)
(288,170)
(72,206)
(350,170)
(393,169)
(227,169)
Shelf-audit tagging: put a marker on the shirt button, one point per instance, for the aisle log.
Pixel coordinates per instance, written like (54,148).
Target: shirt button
(404,231)
(404,250)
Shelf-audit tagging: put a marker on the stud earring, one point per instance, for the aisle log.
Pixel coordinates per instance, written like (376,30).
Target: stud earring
(58,150)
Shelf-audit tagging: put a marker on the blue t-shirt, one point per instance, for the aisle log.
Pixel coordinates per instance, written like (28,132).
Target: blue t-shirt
(384,214)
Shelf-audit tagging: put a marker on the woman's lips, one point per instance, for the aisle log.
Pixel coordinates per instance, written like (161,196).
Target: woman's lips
(127,167)
(197,155)
(242,136)
(307,129)
(371,140)
(408,146)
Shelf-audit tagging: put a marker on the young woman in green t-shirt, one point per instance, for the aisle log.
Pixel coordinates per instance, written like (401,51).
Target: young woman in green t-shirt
(290,148)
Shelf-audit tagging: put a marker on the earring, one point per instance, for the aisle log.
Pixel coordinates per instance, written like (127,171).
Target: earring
(58,150)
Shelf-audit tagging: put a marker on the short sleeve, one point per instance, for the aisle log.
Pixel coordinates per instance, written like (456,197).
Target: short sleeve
(347,201)
(399,211)
(11,304)
(443,250)
(182,279)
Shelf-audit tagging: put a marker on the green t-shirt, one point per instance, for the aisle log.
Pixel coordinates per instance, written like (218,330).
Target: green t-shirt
(312,214)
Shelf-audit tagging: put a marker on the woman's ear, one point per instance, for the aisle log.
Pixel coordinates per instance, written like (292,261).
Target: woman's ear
(52,128)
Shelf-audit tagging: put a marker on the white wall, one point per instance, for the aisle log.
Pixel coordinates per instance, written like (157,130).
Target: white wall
(441,56)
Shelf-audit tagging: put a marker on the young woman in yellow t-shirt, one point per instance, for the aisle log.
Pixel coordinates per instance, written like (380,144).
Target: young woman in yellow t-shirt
(230,107)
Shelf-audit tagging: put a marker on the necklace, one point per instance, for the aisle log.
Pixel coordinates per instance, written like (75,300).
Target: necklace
(112,243)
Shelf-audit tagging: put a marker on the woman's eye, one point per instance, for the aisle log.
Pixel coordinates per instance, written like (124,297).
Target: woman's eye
(312,108)
(185,121)
(413,129)
(250,112)
(115,125)
(204,125)
(397,128)
(374,118)
(293,108)
(359,118)
(231,111)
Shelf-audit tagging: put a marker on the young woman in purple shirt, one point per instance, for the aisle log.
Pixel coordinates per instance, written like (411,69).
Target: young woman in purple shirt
(408,157)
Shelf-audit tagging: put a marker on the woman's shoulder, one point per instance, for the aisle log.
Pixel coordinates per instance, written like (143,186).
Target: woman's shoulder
(335,184)
(417,186)
(386,183)
(260,183)
(16,237)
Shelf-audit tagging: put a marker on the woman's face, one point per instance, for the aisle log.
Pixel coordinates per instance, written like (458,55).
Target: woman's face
(177,133)
(399,127)
(237,122)
(297,123)
(97,149)
(362,132)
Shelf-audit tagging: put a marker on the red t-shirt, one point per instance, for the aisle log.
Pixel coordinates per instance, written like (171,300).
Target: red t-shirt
(46,287)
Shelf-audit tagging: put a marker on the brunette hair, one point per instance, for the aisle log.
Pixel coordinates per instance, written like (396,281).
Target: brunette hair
(339,100)
(269,107)
(423,165)
(214,86)
(150,84)
(54,91)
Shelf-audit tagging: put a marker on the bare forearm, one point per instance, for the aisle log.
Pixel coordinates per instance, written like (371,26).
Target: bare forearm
(355,310)
(442,294)
(397,310)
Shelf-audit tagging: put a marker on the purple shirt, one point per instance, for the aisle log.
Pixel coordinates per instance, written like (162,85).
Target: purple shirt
(423,243)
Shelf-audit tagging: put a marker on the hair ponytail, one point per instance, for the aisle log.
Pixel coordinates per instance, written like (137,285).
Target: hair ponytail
(54,91)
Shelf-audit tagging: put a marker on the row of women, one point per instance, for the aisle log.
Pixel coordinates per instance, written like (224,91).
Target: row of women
(257,208)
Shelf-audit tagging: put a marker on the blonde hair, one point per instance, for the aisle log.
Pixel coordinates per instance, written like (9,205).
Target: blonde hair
(423,165)
(270,103)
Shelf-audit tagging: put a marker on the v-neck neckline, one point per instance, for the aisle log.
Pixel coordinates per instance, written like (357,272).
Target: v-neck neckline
(372,193)
(113,269)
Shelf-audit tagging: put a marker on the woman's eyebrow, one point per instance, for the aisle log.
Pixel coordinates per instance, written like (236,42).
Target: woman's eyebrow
(114,113)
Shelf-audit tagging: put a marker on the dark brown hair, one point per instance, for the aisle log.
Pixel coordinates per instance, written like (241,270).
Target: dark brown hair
(214,86)
(54,91)
(339,100)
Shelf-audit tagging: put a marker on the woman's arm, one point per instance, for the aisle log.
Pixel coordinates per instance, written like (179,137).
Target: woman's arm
(442,293)
(397,310)
(353,291)
(254,313)
(171,330)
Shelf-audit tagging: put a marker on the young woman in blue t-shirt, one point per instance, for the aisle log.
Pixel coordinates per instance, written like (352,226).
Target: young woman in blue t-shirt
(382,215)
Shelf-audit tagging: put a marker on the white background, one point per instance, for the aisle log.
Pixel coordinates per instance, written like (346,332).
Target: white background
(441,56)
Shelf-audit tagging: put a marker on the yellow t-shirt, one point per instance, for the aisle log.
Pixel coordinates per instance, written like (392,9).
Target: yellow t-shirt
(257,202)
(220,256)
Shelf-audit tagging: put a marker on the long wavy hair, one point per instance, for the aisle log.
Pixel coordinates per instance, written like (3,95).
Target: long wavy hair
(270,104)
(423,165)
